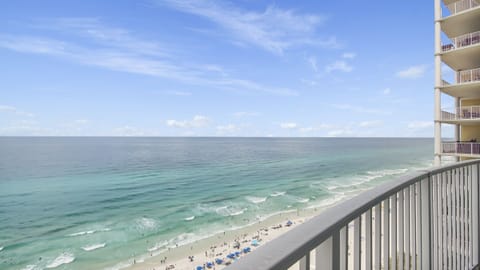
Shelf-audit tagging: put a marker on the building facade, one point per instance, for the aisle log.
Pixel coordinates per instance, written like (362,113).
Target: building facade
(457,49)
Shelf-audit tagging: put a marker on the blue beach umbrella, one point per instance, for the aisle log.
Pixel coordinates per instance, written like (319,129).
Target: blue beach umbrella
(246,250)
(199,267)
(209,264)
(218,261)
(237,253)
(255,242)
(289,223)
(231,255)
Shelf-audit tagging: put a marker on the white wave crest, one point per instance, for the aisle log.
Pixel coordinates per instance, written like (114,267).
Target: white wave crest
(89,232)
(278,193)
(146,223)
(256,200)
(303,200)
(158,246)
(64,258)
(30,267)
(93,247)
(1,248)
(227,211)
(189,218)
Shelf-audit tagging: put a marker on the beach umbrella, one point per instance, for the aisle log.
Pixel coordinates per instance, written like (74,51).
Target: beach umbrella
(246,250)
(289,223)
(237,253)
(255,242)
(209,264)
(218,261)
(231,255)
(199,267)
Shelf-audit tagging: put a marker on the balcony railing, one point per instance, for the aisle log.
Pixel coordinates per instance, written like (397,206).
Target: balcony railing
(424,221)
(462,5)
(466,76)
(465,148)
(462,113)
(462,41)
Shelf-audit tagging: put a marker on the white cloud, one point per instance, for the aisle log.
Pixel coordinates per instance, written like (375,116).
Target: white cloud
(95,44)
(387,91)
(313,63)
(413,72)
(420,124)
(358,109)
(370,124)
(14,110)
(245,114)
(227,129)
(197,122)
(274,29)
(349,55)
(339,65)
(289,125)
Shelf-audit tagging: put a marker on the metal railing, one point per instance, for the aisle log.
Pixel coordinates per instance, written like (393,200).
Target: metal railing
(466,76)
(462,5)
(462,41)
(462,113)
(424,221)
(466,148)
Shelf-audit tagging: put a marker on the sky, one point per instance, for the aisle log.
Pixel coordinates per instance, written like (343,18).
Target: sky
(217,68)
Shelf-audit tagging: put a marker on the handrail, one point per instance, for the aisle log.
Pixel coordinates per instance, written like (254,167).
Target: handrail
(462,41)
(466,76)
(462,5)
(424,196)
(468,148)
(461,113)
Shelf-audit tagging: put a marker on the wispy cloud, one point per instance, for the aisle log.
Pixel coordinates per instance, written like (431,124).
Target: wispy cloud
(245,114)
(349,55)
(358,109)
(339,65)
(92,43)
(288,125)
(387,91)
(273,29)
(227,129)
(412,72)
(14,110)
(197,122)
(312,60)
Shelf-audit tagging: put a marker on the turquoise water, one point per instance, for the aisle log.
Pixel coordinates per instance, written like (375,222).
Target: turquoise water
(96,203)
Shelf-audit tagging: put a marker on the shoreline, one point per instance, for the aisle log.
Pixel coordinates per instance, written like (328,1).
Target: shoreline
(204,250)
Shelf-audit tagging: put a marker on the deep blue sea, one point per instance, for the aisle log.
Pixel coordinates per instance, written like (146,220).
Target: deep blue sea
(94,203)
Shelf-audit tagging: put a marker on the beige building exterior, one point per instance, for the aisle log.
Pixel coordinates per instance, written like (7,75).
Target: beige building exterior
(457,47)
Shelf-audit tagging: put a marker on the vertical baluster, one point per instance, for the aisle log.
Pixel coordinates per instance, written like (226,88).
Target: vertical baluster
(344,248)
(305,262)
(456,209)
(469,223)
(461,219)
(407,228)
(444,219)
(439,220)
(386,236)
(475,209)
(357,228)
(378,236)
(450,220)
(435,226)
(401,232)
(425,190)
(368,239)
(413,230)
(418,233)
(324,255)
(393,242)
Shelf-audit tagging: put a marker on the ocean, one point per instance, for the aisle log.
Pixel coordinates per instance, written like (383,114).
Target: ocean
(96,203)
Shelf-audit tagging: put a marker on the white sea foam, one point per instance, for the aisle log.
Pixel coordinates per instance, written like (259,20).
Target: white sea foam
(64,258)
(278,193)
(256,200)
(1,248)
(229,210)
(303,200)
(158,246)
(93,247)
(30,267)
(145,223)
(189,218)
(89,232)
(329,202)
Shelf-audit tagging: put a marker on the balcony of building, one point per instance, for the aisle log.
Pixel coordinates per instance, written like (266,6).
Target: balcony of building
(429,220)
(466,84)
(464,115)
(462,52)
(460,17)
(463,149)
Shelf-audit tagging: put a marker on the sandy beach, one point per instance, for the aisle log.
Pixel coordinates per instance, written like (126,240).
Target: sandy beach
(201,252)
